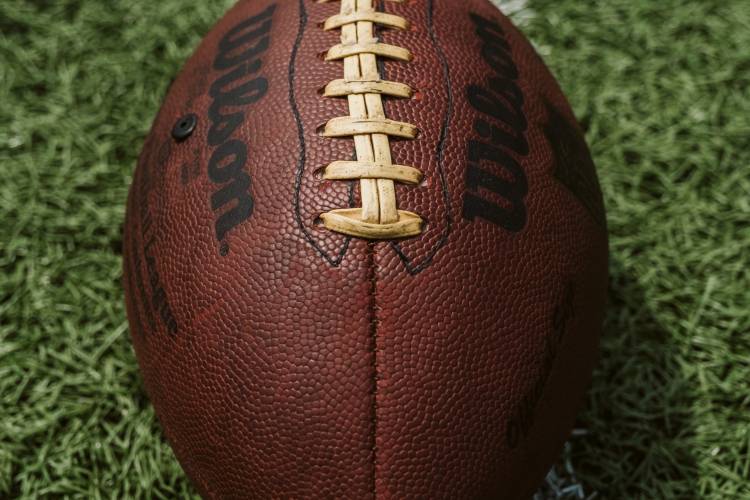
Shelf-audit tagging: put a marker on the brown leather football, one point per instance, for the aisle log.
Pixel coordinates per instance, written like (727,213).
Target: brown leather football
(365,255)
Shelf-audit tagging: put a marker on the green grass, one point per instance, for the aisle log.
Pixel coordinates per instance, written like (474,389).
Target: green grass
(663,89)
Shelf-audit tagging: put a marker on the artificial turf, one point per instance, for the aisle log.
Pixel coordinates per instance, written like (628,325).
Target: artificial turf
(663,91)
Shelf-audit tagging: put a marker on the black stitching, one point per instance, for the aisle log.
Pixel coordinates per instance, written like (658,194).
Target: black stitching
(302,160)
(408,263)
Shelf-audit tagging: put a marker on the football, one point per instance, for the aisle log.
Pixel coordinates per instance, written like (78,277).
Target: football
(365,255)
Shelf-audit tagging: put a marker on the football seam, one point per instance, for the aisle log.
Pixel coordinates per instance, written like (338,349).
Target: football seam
(411,266)
(373,316)
(336,259)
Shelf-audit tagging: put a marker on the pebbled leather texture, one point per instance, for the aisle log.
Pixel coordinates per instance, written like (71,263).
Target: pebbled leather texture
(287,361)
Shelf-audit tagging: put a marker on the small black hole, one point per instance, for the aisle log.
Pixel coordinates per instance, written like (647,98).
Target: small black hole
(318,222)
(319,173)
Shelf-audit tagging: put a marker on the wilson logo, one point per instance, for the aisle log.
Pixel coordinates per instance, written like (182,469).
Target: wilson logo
(238,87)
(493,157)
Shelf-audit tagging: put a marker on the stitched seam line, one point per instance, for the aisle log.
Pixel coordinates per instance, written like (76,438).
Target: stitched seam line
(412,267)
(333,260)
(373,313)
